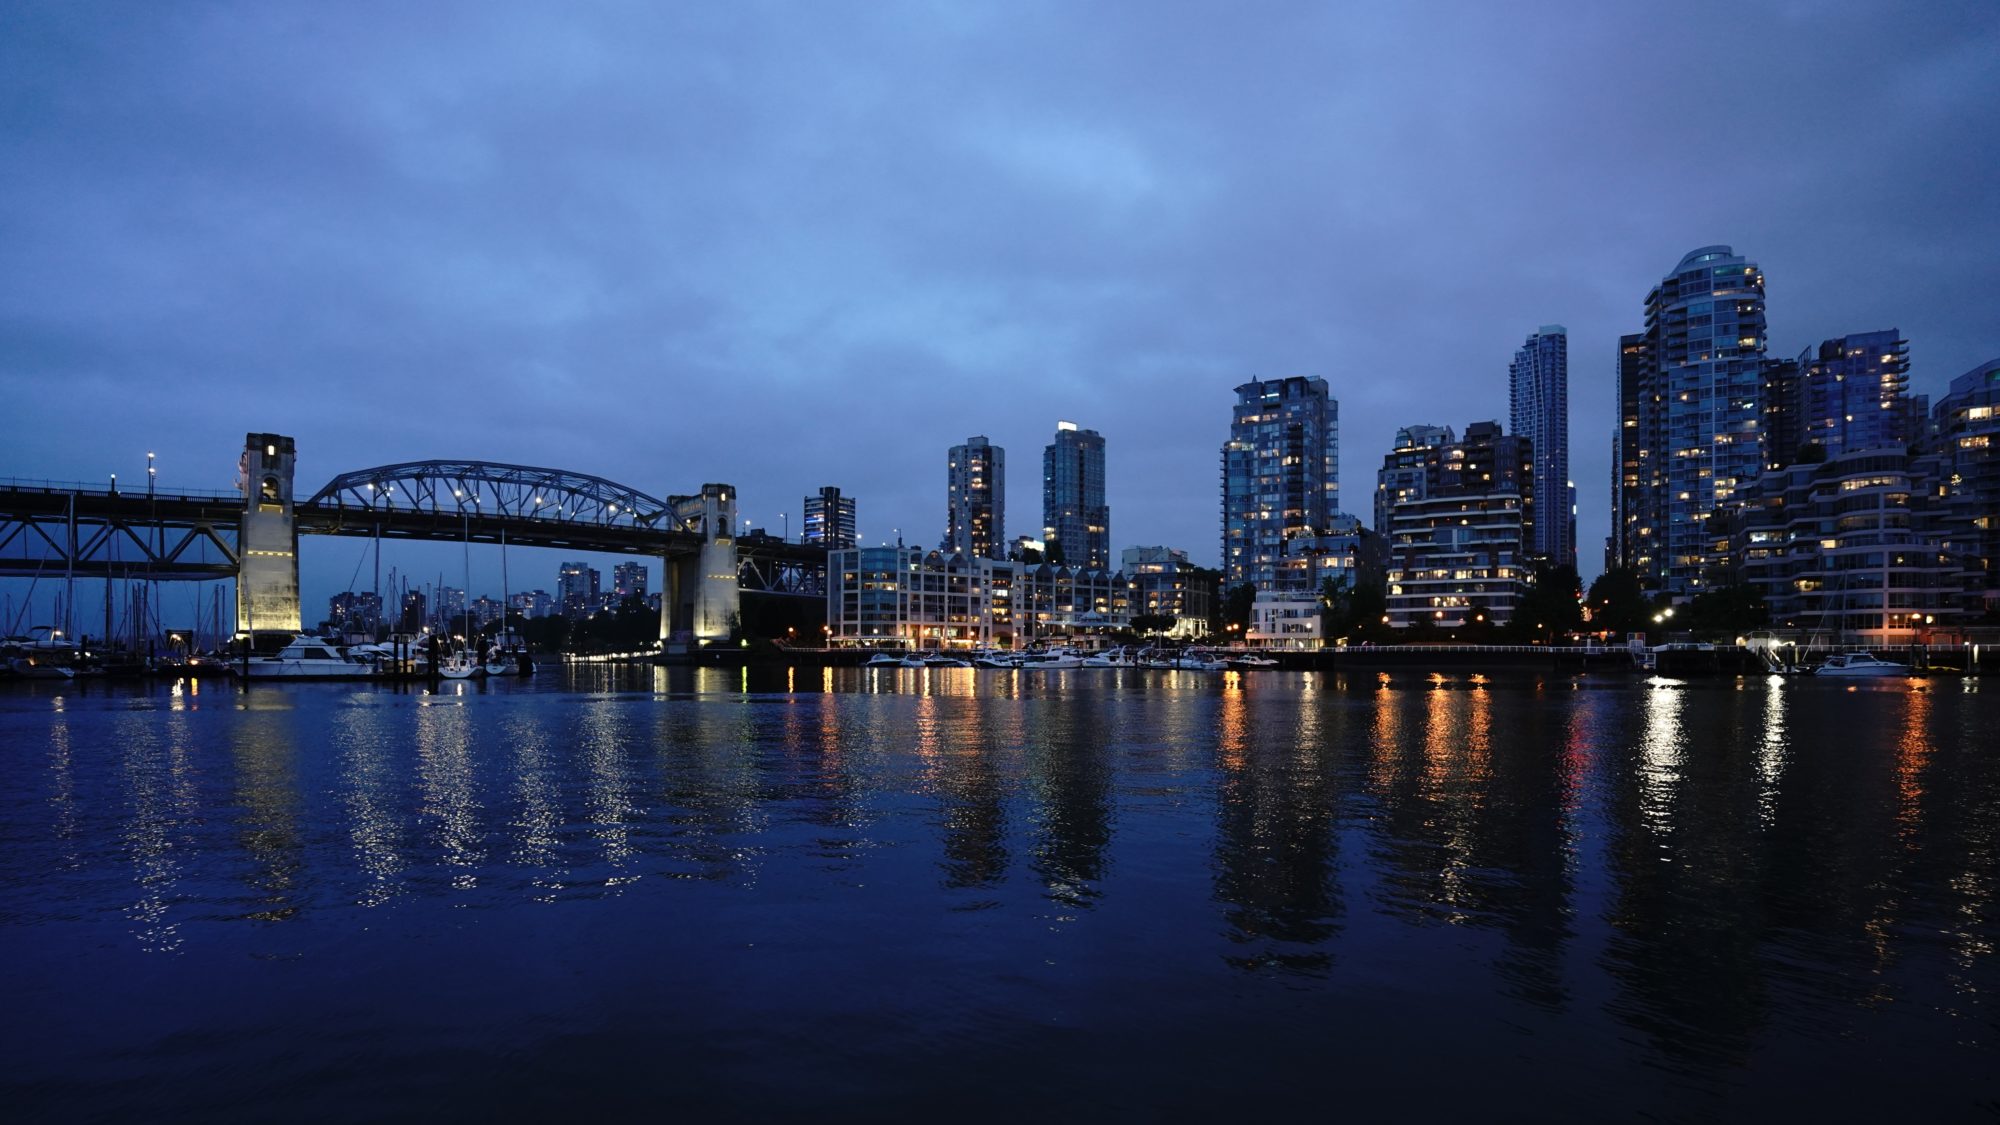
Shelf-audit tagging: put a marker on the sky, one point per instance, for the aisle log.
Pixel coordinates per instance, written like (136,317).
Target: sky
(789,245)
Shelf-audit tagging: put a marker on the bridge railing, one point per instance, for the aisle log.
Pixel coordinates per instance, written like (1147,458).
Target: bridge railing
(38,484)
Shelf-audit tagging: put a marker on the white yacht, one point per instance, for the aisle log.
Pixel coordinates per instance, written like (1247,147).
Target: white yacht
(308,658)
(1861,665)
(885,660)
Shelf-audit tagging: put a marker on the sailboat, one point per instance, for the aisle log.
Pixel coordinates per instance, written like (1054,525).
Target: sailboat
(509,654)
(463,663)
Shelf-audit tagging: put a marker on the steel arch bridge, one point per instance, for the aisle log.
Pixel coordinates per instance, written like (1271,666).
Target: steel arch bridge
(506,492)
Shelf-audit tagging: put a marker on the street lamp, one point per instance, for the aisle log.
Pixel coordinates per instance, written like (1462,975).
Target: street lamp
(151,472)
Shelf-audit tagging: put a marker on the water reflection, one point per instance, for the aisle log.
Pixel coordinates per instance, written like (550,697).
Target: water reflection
(1679,883)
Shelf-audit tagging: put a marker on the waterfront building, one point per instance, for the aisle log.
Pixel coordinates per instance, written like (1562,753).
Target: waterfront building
(1076,522)
(1280,484)
(1966,433)
(1287,621)
(1851,393)
(907,598)
(1460,553)
(1690,394)
(531,604)
(1056,601)
(576,589)
(1161,582)
(1538,408)
(628,580)
(976,500)
(1850,550)
(829,520)
(1402,474)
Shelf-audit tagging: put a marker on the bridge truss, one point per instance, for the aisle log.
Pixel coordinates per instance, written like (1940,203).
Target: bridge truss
(53,532)
(504,492)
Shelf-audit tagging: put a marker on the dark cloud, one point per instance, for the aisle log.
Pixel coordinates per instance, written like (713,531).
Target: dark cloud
(791,245)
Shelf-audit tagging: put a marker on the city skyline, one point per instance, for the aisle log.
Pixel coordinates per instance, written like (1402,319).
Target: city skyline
(210,243)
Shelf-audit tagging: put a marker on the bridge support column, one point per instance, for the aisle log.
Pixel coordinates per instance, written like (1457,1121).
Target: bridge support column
(701,595)
(267,574)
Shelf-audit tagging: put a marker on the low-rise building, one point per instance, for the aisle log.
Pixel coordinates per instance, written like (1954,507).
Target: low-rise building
(1852,549)
(1161,582)
(905,597)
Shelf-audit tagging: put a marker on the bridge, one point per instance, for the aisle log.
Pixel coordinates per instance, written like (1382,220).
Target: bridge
(251,534)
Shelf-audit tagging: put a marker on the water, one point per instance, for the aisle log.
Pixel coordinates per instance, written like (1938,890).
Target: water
(993,896)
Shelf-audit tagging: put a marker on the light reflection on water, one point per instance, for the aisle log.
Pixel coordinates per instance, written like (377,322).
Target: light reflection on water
(1650,887)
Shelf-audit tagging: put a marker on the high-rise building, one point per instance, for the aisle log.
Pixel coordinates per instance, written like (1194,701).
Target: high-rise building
(1967,435)
(1459,553)
(531,604)
(628,580)
(1280,484)
(976,516)
(1404,469)
(1635,463)
(1690,394)
(576,589)
(450,606)
(1848,395)
(829,520)
(1076,522)
(412,617)
(355,614)
(1538,402)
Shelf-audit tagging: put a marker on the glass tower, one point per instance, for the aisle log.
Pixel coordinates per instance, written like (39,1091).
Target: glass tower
(1075,519)
(1691,391)
(1538,398)
(976,515)
(829,520)
(1280,483)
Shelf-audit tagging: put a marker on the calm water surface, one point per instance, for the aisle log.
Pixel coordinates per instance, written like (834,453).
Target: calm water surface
(972,895)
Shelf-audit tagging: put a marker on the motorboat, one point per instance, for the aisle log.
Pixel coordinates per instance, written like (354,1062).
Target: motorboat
(994,658)
(1054,658)
(885,660)
(1861,665)
(308,658)
(1111,658)
(24,667)
(1250,660)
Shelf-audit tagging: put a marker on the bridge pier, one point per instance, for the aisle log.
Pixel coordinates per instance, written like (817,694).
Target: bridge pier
(267,575)
(701,597)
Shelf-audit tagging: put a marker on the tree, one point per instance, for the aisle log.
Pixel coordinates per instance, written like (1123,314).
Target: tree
(1152,623)
(1618,602)
(1550,608)
(1730,610)
(1236,609)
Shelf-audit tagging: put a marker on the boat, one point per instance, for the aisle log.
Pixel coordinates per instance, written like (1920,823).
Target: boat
(996,658)
(22,667)
(1048,659)
(1861,665)
(1111,658)
(885,660)
(462,665)
(308,658)
(508,656)
(1250,660)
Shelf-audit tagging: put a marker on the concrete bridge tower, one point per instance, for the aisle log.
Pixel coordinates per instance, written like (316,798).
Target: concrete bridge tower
(702,599)
(267,575)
